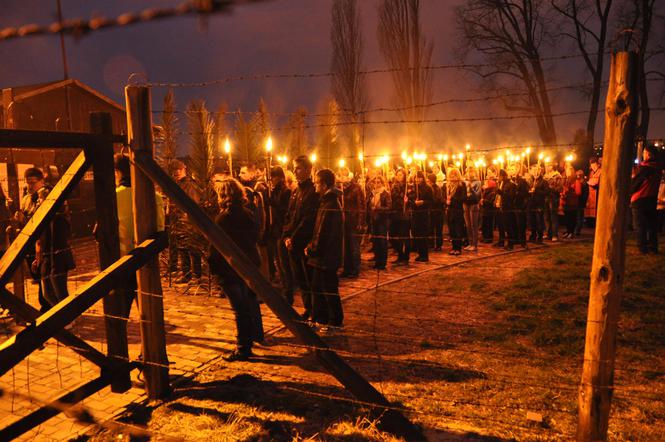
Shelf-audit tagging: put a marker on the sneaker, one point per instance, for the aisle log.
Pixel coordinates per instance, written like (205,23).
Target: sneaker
(555,239)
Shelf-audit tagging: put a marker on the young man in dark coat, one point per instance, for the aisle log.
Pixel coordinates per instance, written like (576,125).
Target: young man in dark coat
(420,226)
(280,196)
(538,194)
(299,226)
(507,196)
(400,217)
(644,199)
(324,252)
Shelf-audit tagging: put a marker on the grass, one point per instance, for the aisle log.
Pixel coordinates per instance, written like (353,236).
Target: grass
(548,303)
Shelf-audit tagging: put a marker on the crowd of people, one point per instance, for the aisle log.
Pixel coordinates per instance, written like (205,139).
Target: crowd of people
(305,229)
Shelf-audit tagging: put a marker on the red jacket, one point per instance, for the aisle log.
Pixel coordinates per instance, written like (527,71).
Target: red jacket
(645,184)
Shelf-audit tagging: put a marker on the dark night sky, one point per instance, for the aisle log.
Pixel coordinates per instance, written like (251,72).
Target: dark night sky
(283,36)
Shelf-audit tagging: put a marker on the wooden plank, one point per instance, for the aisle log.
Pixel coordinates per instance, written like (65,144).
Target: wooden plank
(49,139)
(391,420)
(117,301)
(43,215)
(64,402)
(609,251)
(28,313)
(151,307)
(16,348)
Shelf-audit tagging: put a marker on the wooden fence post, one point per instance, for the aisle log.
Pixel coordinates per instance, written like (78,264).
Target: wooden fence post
(609,250)
(151,306)
(108,243)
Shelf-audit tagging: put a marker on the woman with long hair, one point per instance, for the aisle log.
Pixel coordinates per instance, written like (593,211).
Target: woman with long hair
(379,205)
(471,207)
(238,222)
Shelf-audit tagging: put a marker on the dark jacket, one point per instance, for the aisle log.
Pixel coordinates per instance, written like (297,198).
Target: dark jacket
(299,222)
(57,256)
(279,204)
(457,199)
(539,193)
(507,191)
(645,184)
(397,200)
(380,215)
(354,205)
(325,249)
(238,223)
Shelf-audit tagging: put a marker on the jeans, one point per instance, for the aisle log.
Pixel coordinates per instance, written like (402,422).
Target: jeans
(645,219)
(471,214)
(249,325)
(326,302)
(399,236)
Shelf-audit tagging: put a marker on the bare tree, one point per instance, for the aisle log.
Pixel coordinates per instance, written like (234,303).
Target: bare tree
(408,53)
(262,122)
(201,129)
(327,137)
(296,135)
(348,85)
(507,36)
(589,24)
(167,153)
(245,135)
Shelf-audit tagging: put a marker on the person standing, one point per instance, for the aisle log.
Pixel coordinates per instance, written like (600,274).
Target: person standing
(538,195)
(660,207)
(421,204)
(507,195)
(239,223)
(279,206)
(354,215)
(182,231)
(584,198)
(399,221)
(644,199)
(456,195)
(521,202)
(380,205)
(324,253)
(436,213)
(594,184)
(299,227)
(488,210)
(555,185)
(471,207)
(572,191)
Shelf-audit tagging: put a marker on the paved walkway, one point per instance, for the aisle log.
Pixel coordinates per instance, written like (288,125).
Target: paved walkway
(199,326)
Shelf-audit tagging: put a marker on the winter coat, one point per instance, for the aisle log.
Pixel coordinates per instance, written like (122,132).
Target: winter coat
(507,195)
(325,249)
(539,191)
(397,193)
(239,224)
(354,205)
(279,204)
(380,214)
(488,194)
(473,192)
(299,221)
(522,195)
(645,184)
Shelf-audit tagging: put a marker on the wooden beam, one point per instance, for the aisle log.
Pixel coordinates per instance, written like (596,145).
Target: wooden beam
(28,313)
(64,402)
(391,420)
(609,250)
(144,205)
(50,139)
(16,252)
(16,348)
(117,301)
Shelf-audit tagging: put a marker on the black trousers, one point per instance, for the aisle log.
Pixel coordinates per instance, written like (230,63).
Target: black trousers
(247,312)
(487,223)
(646,223)
(302,275)
(520,219)
(456,227)
(326,302)
(380,243)
(510,226)
(570,217)
(54,287)
(436,230)
(421,229)
(536,223)
(399,237)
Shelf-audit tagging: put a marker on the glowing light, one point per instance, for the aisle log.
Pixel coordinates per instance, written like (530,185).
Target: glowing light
(541,156)
(494,162)
(445,157)
(548,159)
(282,159)
(409,160)
(377,162)
(342,162)
(430,164)
(570,158)
(404,155)
(313,158)
(227,146)
(467,147)
(385,159)
(360,156)
(528,150)
(440,156)
(269,145)
(458,164)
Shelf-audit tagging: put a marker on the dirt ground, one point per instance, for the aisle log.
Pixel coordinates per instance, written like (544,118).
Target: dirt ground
(485,351)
